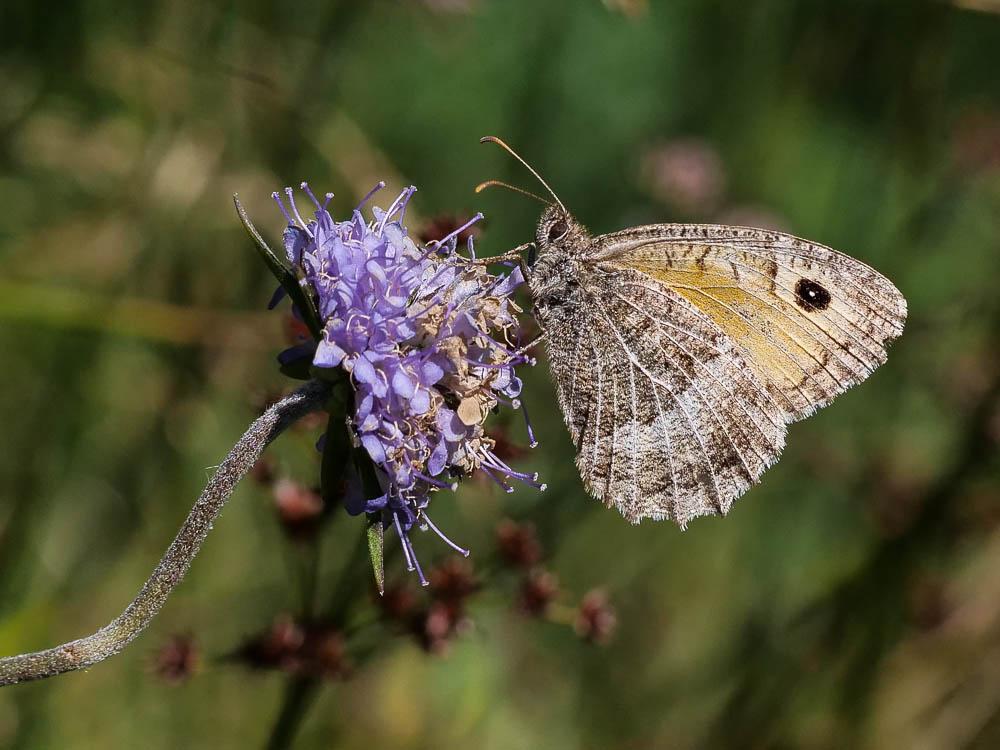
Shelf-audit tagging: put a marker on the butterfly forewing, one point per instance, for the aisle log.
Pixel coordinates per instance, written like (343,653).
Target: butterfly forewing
(811,321)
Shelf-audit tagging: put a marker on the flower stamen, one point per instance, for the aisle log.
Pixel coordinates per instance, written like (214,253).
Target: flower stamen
(460,550)
(305,188)
(368,196)
(454,233)
(295,211)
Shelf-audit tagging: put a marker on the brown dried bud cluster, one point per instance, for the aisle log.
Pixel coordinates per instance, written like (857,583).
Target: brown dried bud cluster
(437,622)
(538,590)
(451,584)
(302,649)
(296,332)
(399,602)
(263,472)
(929,603)
(177,659)
(686,173)
(596,619)
(896,498)
(300,508)
(517,544)
(975,142)
(503,447)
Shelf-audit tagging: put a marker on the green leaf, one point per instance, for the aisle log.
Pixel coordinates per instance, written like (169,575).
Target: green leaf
(283,273)
(376,541)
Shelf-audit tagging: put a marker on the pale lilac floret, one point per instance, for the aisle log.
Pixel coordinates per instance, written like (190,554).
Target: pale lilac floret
(428,338)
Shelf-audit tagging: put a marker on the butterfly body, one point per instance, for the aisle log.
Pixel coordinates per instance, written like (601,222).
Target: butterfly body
(681,352)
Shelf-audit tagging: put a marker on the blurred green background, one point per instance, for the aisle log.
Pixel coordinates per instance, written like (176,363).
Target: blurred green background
(851,600)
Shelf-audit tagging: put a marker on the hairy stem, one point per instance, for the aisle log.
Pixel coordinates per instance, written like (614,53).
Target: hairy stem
(175,562)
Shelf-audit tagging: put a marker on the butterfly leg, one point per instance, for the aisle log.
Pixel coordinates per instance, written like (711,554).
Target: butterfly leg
(517,254)
(530,345)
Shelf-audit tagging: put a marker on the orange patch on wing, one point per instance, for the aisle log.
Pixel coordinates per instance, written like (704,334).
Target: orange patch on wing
(761,328)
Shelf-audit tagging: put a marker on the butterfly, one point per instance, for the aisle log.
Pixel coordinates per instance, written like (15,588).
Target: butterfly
(681,352)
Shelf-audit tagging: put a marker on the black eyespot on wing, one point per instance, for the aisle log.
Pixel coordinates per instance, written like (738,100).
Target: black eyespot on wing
(558,230)
(811,296)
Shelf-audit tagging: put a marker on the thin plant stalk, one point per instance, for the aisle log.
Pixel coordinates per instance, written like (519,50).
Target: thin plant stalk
(112,638)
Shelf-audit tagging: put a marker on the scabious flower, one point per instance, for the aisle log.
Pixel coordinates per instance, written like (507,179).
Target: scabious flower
(428,338)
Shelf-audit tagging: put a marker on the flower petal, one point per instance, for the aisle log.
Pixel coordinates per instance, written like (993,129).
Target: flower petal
(436,463)
(363,371)
(328,354)
(421,401)
(374,447)
(431,372)
(295,240)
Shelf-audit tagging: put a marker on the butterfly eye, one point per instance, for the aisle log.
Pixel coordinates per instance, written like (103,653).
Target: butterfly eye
(811,296)
(558,230)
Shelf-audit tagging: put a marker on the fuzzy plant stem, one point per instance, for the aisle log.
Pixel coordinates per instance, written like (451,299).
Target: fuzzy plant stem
(113,637)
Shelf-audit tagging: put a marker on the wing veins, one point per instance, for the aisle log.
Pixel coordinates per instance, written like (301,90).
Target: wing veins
(731,243)
(785,351)
(878,344)
(600,400)
(670,453)
(635,438)
(687,416)
(659,292)
(719,381)
(608,495)
(571,399)
(795,339)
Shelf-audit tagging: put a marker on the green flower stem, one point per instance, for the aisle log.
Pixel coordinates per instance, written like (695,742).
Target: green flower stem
(113,637)
(300,694)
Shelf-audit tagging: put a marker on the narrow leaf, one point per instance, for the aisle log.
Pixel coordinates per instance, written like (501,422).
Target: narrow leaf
(376,540)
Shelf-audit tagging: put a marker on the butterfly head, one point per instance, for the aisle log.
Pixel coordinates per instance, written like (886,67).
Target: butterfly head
(554,271)
(556,228)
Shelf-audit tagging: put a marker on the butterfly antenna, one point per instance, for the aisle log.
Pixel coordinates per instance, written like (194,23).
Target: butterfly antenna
(497,183)
(512,152)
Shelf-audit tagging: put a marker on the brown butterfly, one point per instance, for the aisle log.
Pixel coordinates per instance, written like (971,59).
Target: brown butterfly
(681,352)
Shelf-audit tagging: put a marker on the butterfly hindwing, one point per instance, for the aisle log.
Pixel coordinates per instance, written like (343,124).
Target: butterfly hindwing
(668,418)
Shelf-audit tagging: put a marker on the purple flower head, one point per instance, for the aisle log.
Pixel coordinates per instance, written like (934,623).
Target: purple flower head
(428,338)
